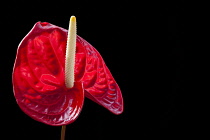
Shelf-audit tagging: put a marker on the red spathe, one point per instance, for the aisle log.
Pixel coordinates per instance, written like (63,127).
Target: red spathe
(39,83)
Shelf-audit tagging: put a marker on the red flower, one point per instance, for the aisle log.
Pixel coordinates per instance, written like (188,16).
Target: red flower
(39,83)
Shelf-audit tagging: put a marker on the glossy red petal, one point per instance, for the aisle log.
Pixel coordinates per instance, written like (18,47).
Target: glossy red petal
(99,84)
(38,77)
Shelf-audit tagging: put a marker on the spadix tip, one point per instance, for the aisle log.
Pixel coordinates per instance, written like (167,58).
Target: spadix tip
(73,19)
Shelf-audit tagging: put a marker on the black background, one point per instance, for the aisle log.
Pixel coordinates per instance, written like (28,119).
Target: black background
(142,45)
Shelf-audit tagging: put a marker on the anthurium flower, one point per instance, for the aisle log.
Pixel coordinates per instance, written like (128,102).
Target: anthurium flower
(39,77)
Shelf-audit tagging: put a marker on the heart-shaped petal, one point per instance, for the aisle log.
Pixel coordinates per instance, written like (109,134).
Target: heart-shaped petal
(38,77)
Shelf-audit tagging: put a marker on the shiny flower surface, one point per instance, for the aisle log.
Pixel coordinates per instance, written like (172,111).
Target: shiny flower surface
(39,83)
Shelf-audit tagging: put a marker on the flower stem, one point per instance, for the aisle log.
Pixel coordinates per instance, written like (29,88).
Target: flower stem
(63,131)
